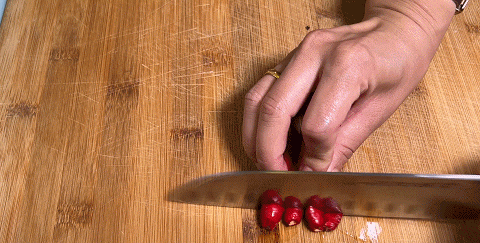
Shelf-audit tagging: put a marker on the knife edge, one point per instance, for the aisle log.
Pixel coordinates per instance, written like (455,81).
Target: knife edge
(419,196)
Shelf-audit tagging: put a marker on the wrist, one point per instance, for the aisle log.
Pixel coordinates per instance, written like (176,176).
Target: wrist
(425,18)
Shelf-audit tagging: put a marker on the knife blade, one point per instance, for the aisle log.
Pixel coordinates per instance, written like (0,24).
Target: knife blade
(414,196)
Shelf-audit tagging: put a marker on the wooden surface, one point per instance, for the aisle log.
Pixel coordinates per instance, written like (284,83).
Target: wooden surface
(108,104)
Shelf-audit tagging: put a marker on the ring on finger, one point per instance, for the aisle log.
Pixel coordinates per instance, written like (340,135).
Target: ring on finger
(274,73)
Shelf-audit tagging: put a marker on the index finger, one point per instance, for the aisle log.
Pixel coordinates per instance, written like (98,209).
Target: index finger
(280,104)
(252,104)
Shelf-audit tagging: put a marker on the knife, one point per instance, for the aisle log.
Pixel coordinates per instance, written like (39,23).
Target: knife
(413,196)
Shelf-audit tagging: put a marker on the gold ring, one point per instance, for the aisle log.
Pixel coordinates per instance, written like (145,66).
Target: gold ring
(274,73)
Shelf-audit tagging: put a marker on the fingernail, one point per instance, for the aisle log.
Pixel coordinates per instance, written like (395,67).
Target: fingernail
(333,170)
(304,167)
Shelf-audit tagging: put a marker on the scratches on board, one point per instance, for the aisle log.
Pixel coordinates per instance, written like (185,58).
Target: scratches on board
(22,110)
(123,90)
(74,215)
(472,28)
(66,54)
(187,133)
(321,13)
(250,229)
(185,56)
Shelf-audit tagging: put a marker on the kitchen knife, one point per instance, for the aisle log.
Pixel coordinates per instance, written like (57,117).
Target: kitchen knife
(416,196)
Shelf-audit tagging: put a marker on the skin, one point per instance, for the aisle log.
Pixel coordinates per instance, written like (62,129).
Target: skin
(356,76)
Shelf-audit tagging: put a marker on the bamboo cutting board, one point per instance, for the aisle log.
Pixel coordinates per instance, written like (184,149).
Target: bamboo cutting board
(106,105)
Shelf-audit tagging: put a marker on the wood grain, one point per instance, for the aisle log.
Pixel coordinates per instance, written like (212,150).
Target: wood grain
(106,105)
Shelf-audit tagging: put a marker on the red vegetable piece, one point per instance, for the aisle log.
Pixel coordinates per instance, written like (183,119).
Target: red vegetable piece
(292,202)
(315,201)
(293,211)
(331,206)
(288,160)
(292,216)
(271,196)
(333,213)
(270,216)
(314,218)
(332,220)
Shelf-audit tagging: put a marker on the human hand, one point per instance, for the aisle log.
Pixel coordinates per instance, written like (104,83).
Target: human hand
(350,78)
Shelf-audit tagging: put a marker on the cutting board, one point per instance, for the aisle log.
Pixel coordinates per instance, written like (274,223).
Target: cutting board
(106,105)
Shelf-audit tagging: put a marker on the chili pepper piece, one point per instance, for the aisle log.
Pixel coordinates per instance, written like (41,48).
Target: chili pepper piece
(314,218)
(331,206)
(315,201)
(270,216)
(271,196)
(332,220)
(292,202)
(292,216)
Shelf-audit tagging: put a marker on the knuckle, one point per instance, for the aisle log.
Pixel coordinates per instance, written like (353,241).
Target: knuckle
(272,108)
(253,98)
(345,151)
(249,148)
(264,157)
(316,38)
(261,159)
(356,62)
(353,54)
(317,132)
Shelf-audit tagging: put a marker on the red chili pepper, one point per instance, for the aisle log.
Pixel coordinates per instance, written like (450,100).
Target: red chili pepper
(271,196)
(314,218)
(331,212)
(270,216)
(293,211)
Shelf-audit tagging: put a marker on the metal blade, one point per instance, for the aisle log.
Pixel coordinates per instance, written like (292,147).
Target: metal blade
(438,197)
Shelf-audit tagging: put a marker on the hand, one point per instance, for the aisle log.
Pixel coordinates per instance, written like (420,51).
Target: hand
(350,78)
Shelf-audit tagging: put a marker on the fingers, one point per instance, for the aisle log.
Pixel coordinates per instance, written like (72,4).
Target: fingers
(280,104)
(367,114)
(323,119)
(346,106)
(253,101)
(345,109)
(340,86)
